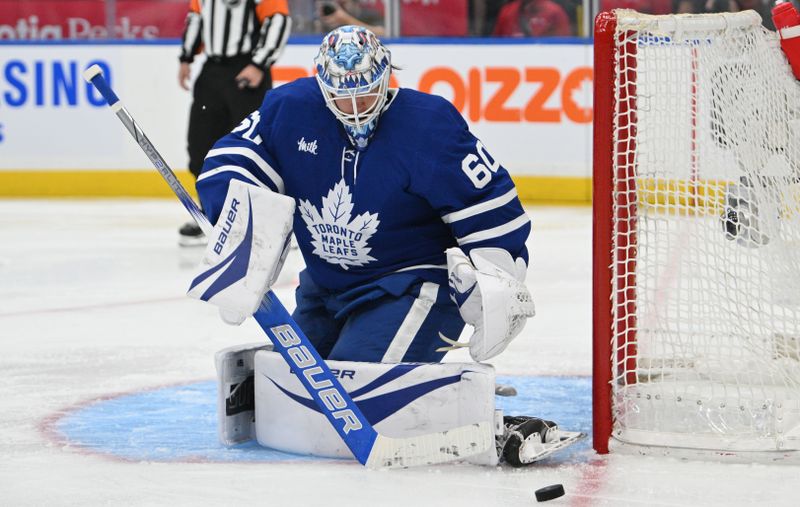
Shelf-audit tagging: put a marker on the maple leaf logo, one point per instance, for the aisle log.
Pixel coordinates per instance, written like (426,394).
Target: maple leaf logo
(336,238)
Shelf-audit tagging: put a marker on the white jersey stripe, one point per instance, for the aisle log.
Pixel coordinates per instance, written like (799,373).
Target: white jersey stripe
(274,34)
(479,208)
(190,39)
(235,34)
(421,266)
(253,156)
(494,232)
(233,169)
(412,323)
(218,14)
(208,25)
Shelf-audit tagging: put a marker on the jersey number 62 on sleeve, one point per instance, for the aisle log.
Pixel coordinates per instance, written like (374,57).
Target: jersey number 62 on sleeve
(479,169)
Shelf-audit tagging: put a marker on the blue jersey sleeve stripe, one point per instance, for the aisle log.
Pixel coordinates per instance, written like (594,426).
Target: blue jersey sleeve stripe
(232,169)
(495,232)
(255,158)
(481,207)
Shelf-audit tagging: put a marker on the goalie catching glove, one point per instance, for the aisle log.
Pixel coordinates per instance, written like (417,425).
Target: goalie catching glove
(491,296)
(245,251)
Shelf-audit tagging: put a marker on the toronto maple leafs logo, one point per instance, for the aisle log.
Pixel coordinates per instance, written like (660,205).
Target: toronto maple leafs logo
(337,239)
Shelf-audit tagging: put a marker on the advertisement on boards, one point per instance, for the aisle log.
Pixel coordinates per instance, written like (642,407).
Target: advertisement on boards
(91,19)
(529,104)
(50,118)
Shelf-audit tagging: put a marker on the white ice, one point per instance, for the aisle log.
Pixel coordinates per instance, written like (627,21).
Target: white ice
(92,305)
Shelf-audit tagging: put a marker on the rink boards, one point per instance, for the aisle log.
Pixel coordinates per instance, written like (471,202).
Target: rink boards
(530,103)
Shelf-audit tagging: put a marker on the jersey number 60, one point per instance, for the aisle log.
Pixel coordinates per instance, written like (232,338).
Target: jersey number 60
(479,170)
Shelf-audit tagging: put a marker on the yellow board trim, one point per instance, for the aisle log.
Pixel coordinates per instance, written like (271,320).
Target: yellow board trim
(149,184)
(49,184)
(554,190)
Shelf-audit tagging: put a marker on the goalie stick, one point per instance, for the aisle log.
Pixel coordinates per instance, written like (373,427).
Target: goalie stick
(368,446)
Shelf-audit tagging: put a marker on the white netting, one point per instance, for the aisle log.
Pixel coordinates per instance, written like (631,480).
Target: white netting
(706,319)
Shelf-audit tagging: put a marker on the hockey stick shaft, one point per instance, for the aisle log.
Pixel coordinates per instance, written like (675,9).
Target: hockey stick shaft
(368,447)
(95,76)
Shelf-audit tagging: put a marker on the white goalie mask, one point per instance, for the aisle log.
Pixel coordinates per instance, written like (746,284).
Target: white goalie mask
(353,70)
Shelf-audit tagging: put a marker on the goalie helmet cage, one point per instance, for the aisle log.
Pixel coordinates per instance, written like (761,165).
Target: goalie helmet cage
(695,331)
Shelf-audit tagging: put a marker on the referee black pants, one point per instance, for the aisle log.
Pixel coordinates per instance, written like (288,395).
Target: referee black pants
(219,105)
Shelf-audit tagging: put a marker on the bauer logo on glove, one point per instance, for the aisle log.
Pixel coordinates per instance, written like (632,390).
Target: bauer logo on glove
(246,250)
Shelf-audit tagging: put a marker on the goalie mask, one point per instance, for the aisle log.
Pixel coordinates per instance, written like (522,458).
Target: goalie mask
(353,70)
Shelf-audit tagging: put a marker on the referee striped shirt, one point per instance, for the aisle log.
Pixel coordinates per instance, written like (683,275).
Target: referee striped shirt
(228,28)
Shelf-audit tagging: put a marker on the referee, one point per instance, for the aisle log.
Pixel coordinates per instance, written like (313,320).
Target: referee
(241,39)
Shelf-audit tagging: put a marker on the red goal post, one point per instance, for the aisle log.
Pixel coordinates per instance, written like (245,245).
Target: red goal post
(696,315)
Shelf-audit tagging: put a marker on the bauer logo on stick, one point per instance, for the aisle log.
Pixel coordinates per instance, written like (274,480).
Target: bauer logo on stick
(307,365)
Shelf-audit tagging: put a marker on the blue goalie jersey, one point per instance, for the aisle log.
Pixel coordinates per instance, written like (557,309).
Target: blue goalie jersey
(424,184)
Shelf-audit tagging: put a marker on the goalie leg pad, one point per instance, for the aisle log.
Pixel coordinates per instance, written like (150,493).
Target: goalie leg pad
(246,249)
(235,392)
(399,400)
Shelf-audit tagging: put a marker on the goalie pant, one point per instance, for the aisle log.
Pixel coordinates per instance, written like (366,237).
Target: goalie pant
(394,319)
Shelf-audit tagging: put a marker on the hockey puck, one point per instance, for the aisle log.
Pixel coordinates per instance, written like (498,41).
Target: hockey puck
(504,390)
(549,492)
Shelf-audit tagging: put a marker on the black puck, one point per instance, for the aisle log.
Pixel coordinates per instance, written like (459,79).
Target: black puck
(549,492)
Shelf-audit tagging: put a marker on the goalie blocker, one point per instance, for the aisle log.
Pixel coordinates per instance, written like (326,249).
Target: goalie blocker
(260,398)
(245,251)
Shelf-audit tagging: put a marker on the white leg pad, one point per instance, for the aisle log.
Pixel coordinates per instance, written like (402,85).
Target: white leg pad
(401,400)
(235,394)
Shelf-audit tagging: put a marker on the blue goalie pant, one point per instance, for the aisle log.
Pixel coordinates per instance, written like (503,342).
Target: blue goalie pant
(394,319)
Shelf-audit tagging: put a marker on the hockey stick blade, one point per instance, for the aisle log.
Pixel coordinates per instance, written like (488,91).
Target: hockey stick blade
(368,447)
(430,449)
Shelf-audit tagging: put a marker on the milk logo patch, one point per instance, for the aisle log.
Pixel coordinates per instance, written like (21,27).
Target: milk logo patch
(306,146)
(336,238)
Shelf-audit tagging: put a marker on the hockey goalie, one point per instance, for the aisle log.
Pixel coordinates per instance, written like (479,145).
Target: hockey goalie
(409,229)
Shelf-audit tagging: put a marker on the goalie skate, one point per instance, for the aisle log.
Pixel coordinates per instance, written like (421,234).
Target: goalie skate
(526,440)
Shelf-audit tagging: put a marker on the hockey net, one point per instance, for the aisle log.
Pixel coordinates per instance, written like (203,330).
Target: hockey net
(697,325)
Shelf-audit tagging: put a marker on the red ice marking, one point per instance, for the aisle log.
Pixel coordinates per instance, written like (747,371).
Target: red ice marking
(118,304)
(91,307)
(592,480)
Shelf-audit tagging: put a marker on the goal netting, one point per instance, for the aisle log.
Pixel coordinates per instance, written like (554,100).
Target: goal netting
(697,234)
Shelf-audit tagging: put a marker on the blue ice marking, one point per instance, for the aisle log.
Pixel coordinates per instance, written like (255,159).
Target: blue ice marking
(179,423)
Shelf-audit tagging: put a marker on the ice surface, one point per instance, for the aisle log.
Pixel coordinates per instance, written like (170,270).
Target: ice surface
(93,311)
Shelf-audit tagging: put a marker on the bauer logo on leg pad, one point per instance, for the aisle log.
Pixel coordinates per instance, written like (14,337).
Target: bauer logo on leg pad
(305,363)
(246,248)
